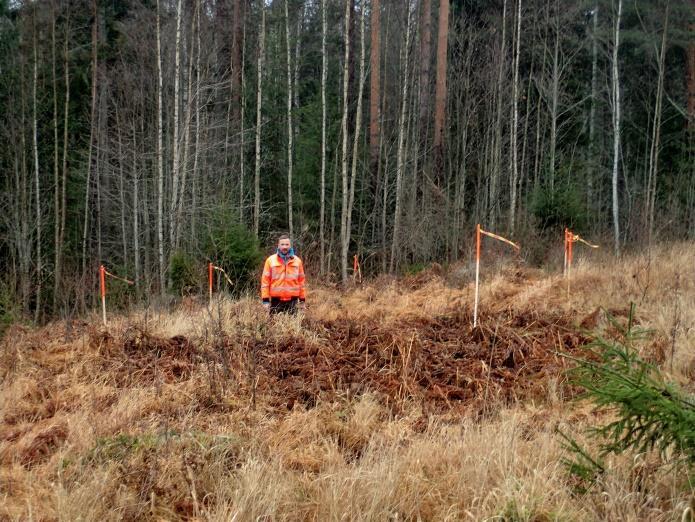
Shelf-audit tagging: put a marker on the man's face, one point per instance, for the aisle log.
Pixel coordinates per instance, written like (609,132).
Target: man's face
(284,245)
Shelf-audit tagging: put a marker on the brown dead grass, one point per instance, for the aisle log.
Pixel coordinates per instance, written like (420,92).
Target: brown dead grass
(381,404)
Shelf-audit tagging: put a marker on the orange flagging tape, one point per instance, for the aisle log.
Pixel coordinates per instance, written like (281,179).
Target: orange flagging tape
(356,270)
(576,237)
(500,238)
(220,269)
(106,272)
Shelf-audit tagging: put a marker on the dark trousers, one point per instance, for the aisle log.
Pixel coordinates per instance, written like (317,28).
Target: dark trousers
(283,307)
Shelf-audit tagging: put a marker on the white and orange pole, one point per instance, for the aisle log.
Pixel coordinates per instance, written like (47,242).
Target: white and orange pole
(477,274)
(570,240)
(102,284)
(210,270)
(564,266)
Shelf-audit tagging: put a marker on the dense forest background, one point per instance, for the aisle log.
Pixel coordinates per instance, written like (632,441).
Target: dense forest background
(152,136)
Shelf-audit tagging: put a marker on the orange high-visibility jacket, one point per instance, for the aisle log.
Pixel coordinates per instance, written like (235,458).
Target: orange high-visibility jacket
(281,280)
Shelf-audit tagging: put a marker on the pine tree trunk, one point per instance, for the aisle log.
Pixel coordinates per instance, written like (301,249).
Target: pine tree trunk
(690,66)
(441,90)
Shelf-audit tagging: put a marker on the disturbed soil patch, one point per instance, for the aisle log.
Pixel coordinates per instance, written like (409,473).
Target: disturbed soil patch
(439,361)
(443,361)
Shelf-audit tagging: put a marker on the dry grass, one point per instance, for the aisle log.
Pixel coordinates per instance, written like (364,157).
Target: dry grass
(152,419)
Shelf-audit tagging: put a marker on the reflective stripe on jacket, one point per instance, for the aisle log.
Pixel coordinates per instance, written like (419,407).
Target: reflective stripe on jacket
(283,280)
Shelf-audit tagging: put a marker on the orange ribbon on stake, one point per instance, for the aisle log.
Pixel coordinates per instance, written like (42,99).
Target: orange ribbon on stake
(356,270)
(211,269)
(570,239)
(102,283)
(479,232)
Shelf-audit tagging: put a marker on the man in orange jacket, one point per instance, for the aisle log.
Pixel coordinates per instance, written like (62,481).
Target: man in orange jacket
(282,282)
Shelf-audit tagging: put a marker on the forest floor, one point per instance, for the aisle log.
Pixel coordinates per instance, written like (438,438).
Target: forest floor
(380,403)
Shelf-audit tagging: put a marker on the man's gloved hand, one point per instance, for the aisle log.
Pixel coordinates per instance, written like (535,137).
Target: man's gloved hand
(266,306)
(301,305)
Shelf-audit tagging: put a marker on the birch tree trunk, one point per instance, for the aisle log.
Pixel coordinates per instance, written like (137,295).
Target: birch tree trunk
(401,137)
(656,129)
(64,183)
(237,60)
(136,212)
(259,101)
(514,175)
(374,88)
(121,187)
(555,98)
(196,148)
(242,128)
(56,173)
(188,101)
(160,160)
(425,56)
(290,128)
(91,139)
(24,245)
(324,66)
(39,259)
(344,149)
(592,112)
(496,162)
(616,127)
(297,45)
(355,144)
(176,164)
